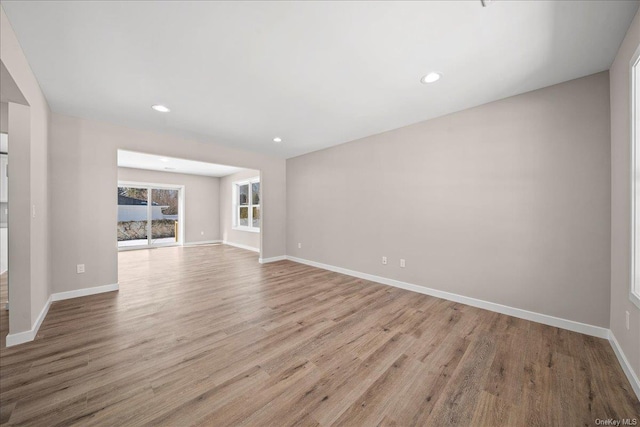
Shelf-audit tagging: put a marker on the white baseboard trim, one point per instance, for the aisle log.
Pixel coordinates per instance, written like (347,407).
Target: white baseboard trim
(626,366)
(238,245)
(203,242)
(570,325)
(272,259)
(59,296)
(30,335)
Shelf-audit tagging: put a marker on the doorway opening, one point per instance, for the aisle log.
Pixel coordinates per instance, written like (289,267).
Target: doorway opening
(172,211)
(169,201)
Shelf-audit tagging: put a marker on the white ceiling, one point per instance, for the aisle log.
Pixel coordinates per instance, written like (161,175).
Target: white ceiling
(131,159)
(316,74)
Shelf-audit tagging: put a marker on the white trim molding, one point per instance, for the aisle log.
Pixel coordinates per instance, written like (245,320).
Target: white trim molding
(626,366)
(59,296)
(188,244)
(202,242)
(30,335)
(272,259)
(558,322)
(240,246)
(247,229)
(142,247)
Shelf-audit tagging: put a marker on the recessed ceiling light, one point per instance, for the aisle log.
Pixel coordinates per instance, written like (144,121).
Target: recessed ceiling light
(164,159)
(277,139)
(161,108)
(431,77)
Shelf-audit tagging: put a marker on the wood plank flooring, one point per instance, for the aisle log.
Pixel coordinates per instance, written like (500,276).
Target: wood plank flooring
(207,336)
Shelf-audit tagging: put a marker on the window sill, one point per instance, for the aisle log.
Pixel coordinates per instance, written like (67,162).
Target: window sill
(249,229)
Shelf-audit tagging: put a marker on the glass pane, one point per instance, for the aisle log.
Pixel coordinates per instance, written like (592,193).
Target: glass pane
(244,217)
(132,216)
(243,194)
(255,193)
(256,216)
(164,216)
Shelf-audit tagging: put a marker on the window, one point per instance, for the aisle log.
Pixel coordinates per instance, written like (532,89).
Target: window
(634,293)
(246,205)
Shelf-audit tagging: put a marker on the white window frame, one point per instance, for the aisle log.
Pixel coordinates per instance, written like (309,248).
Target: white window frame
(235,206)
(634,288)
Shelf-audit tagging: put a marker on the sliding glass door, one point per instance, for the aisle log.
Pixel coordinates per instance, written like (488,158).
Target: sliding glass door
(165,217)
(132,216)
(149,215)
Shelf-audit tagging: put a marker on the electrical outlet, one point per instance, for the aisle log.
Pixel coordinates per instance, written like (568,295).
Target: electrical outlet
(299,245)
(80,268)
(627,319)
(384,260)
(402,263)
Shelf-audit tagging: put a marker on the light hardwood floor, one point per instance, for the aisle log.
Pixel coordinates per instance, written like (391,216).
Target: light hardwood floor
(207,336)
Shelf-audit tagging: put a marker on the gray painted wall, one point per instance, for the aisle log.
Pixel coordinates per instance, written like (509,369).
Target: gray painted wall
(629,340)
(507,202)
(201,200)
(246,238)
